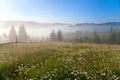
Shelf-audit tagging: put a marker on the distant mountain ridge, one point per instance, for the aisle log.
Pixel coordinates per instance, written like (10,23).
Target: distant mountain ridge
(99,24)
(78,26)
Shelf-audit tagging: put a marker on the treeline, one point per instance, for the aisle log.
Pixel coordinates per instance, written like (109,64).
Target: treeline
(14,36)
(22,35)
(56,36)
(108,37)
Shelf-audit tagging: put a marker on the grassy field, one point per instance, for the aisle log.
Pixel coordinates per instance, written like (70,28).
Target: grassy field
(59,61)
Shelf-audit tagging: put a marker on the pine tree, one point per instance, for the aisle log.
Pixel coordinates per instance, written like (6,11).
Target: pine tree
(77,36)
(59,35)
(53,36)
(12,34)
(112,37)
(118,37)
(96,38)
(86,39)
(22,34)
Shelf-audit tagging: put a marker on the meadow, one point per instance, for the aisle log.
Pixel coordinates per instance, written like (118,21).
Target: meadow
(59,61)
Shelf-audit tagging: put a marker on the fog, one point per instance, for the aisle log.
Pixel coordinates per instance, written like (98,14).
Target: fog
(37,30)
(34,32)
(43,30)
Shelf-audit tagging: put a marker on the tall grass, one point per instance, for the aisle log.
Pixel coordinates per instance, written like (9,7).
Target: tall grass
(59,61)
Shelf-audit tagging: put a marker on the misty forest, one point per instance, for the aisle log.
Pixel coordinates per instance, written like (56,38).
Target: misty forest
(54,32)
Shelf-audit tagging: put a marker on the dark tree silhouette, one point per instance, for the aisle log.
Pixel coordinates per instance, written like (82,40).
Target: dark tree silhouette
(12,34)
(77,35)
(117,37)
(22,34)
(86,39)
(53,36)
(112,37)
(59,35)
(96,38)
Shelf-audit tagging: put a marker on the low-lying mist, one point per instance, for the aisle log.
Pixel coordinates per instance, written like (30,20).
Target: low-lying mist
(33,31)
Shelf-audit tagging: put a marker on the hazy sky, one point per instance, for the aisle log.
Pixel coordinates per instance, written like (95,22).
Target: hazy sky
(71,11)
